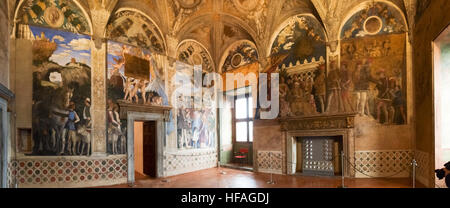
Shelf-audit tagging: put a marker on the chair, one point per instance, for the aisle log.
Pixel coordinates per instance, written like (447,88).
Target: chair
(242,155)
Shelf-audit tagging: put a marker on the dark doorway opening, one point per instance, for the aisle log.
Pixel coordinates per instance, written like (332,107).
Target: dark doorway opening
(145,149)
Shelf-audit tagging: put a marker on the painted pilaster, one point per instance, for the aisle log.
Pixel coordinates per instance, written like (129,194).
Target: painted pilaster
(98,108)
(101,11)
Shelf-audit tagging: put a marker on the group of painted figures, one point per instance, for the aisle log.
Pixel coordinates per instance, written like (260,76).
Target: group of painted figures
(134,87)
(343,91)
(61,131)
(195,128)
(117,138)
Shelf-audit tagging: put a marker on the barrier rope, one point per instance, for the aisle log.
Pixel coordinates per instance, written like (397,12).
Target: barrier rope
(370,176)
(181,155)
(354,167)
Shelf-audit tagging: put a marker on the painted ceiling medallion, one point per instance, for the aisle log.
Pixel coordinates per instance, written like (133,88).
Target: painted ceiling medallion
(194,54)
(189,4)
(373,25)
(236,60)
(54,17)
(245,6)
(197,59)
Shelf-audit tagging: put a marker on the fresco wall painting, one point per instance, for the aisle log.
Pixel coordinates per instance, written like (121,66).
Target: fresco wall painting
(135,29)
(196,125)
(61,118)
(373,61)
(135,75)
(300,48)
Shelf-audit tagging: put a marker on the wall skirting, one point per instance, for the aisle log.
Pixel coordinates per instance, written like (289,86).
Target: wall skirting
(270,162)
(179,162)
(423,166)
(383,164)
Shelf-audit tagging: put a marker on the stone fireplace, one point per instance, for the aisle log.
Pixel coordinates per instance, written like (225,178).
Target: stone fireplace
(339,127)
(318,156)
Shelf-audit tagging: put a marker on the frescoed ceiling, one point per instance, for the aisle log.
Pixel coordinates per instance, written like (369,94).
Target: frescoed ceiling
(215,24)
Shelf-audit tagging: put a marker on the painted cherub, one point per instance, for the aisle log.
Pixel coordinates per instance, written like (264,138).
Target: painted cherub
(157,100)
(128,88)
(142,86)
(134,91)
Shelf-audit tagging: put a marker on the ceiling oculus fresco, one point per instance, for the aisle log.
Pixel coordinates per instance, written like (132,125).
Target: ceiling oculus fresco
(59,14)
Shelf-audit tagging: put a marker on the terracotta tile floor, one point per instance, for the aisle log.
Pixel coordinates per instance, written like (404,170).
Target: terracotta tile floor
(211,178)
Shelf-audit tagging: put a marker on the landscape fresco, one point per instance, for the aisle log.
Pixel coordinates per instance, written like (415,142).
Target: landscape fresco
(61,93)
(135,75)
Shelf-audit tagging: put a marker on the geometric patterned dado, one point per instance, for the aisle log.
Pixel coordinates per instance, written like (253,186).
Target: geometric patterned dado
(188,161)
(68,171)
(383,163)
(270,161)
(423,166)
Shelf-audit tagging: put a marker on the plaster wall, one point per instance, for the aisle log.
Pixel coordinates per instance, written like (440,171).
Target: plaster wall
(432,22)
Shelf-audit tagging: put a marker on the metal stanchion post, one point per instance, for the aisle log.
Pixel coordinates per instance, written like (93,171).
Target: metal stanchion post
(131,185)
(218,165)
(271,174)
(414,165)
(220,170)
(343,170)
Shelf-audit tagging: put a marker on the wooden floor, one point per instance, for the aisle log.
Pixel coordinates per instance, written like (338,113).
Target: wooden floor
(211,178)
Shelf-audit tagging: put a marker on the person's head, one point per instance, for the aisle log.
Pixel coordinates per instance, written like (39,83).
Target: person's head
(447,166)
(322,67)
(87,102)
(440,174)
(382,74)
(447,181)
(72,106)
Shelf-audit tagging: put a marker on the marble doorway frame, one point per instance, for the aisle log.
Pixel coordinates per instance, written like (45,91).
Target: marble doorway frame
(4,143)
(160,131)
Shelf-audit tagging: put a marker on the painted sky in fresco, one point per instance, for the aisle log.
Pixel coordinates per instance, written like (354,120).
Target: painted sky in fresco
(303,38)
(70,45)
(392,21)
(115,53)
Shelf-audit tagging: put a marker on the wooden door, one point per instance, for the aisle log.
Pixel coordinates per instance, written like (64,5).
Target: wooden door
(150,151)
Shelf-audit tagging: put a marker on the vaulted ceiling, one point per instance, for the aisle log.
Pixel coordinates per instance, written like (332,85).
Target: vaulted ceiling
(217,24)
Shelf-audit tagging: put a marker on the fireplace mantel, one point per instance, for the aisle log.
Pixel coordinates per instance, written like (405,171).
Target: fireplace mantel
(318,122)
(126,107)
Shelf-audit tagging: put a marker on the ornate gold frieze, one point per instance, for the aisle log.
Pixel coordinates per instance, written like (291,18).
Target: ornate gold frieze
(344,121)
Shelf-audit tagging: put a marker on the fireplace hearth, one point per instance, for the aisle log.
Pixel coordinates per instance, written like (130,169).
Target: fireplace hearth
(319,156)
(313,144)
